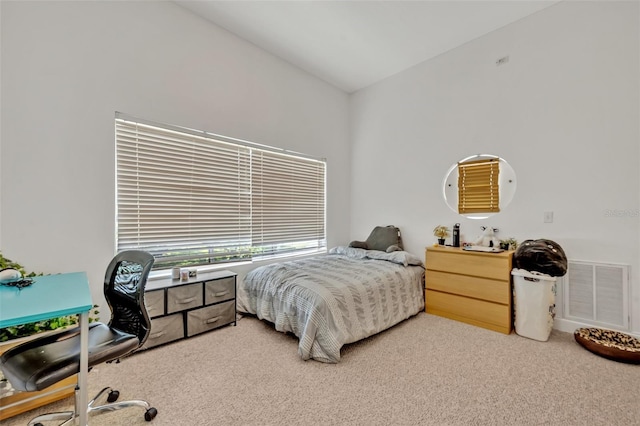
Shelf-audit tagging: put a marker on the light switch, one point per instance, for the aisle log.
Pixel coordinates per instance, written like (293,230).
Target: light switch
(548,217)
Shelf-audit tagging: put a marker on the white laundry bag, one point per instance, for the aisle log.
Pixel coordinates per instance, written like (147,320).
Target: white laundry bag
(534,304)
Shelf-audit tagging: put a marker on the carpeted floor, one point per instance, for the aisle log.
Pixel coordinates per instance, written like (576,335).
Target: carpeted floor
(425,371)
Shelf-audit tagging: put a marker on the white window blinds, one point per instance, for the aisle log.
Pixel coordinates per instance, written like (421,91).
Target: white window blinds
(288,203)
(193,200)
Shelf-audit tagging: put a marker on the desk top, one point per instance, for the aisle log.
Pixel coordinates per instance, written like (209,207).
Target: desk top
(461,250)
(201,277)
(49,296)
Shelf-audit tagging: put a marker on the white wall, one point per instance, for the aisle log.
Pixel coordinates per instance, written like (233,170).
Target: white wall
(68,66)
(563,112)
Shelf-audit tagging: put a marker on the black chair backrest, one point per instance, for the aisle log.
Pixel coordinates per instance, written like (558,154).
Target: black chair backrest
(124,285)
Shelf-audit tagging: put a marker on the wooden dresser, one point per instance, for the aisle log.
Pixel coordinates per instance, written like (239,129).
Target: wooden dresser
(468,286)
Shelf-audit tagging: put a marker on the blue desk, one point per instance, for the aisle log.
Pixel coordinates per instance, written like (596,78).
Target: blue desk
(48,297)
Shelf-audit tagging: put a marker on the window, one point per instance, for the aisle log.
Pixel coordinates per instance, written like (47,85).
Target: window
(193,198)
(478,190)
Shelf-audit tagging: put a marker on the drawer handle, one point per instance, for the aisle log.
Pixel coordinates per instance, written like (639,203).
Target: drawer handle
(156,335)
(187,300)
(212,320)
(221,293)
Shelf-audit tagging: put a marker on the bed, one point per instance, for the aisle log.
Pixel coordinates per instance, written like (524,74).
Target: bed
(331,300)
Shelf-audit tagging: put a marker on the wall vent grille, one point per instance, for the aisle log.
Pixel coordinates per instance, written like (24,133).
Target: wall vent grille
(597,293)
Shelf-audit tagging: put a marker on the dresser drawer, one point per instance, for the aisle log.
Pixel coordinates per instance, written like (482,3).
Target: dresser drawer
(219,290)
(488,265)
(184,297)
(475,311)
(210,317)
(165,329)
(464,285)
(154,301)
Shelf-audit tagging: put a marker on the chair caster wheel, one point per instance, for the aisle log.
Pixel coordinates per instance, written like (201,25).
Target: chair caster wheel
(113,396)
(150,414)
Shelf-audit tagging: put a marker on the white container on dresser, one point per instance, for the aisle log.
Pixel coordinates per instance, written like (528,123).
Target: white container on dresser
(183,308)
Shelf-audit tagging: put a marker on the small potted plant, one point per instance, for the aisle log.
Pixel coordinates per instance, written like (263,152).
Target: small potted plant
(441,232)
(509,244)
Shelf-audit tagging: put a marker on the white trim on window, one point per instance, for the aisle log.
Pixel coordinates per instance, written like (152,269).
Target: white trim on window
(193,199)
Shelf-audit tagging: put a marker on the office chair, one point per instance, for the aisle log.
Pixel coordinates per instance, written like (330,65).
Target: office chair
(41,362)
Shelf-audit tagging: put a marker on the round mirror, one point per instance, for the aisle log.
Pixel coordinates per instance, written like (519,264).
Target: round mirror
(479,186)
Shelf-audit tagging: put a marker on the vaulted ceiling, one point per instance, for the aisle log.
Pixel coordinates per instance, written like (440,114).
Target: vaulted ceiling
(353,44)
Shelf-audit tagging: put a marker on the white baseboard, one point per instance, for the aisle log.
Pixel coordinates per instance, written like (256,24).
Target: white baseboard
(569,326)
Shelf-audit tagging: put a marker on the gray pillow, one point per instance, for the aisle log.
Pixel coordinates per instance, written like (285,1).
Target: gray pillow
(359,244)
(383,237)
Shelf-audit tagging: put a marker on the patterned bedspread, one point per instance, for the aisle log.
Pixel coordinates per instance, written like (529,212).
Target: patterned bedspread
(334,299)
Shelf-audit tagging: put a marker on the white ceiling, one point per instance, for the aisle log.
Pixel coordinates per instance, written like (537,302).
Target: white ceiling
(353,44)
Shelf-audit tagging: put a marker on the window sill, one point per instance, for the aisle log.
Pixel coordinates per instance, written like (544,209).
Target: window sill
(166,273)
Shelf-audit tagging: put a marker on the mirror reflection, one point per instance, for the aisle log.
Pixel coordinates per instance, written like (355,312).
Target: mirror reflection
(479,186)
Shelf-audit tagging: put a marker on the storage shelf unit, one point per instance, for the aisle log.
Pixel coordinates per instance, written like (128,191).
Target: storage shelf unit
(180,309)
(472,287)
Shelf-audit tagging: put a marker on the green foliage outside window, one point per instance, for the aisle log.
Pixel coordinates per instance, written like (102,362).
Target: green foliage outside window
(211,256)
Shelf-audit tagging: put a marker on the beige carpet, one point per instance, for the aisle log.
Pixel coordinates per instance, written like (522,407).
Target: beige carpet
(426,371)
